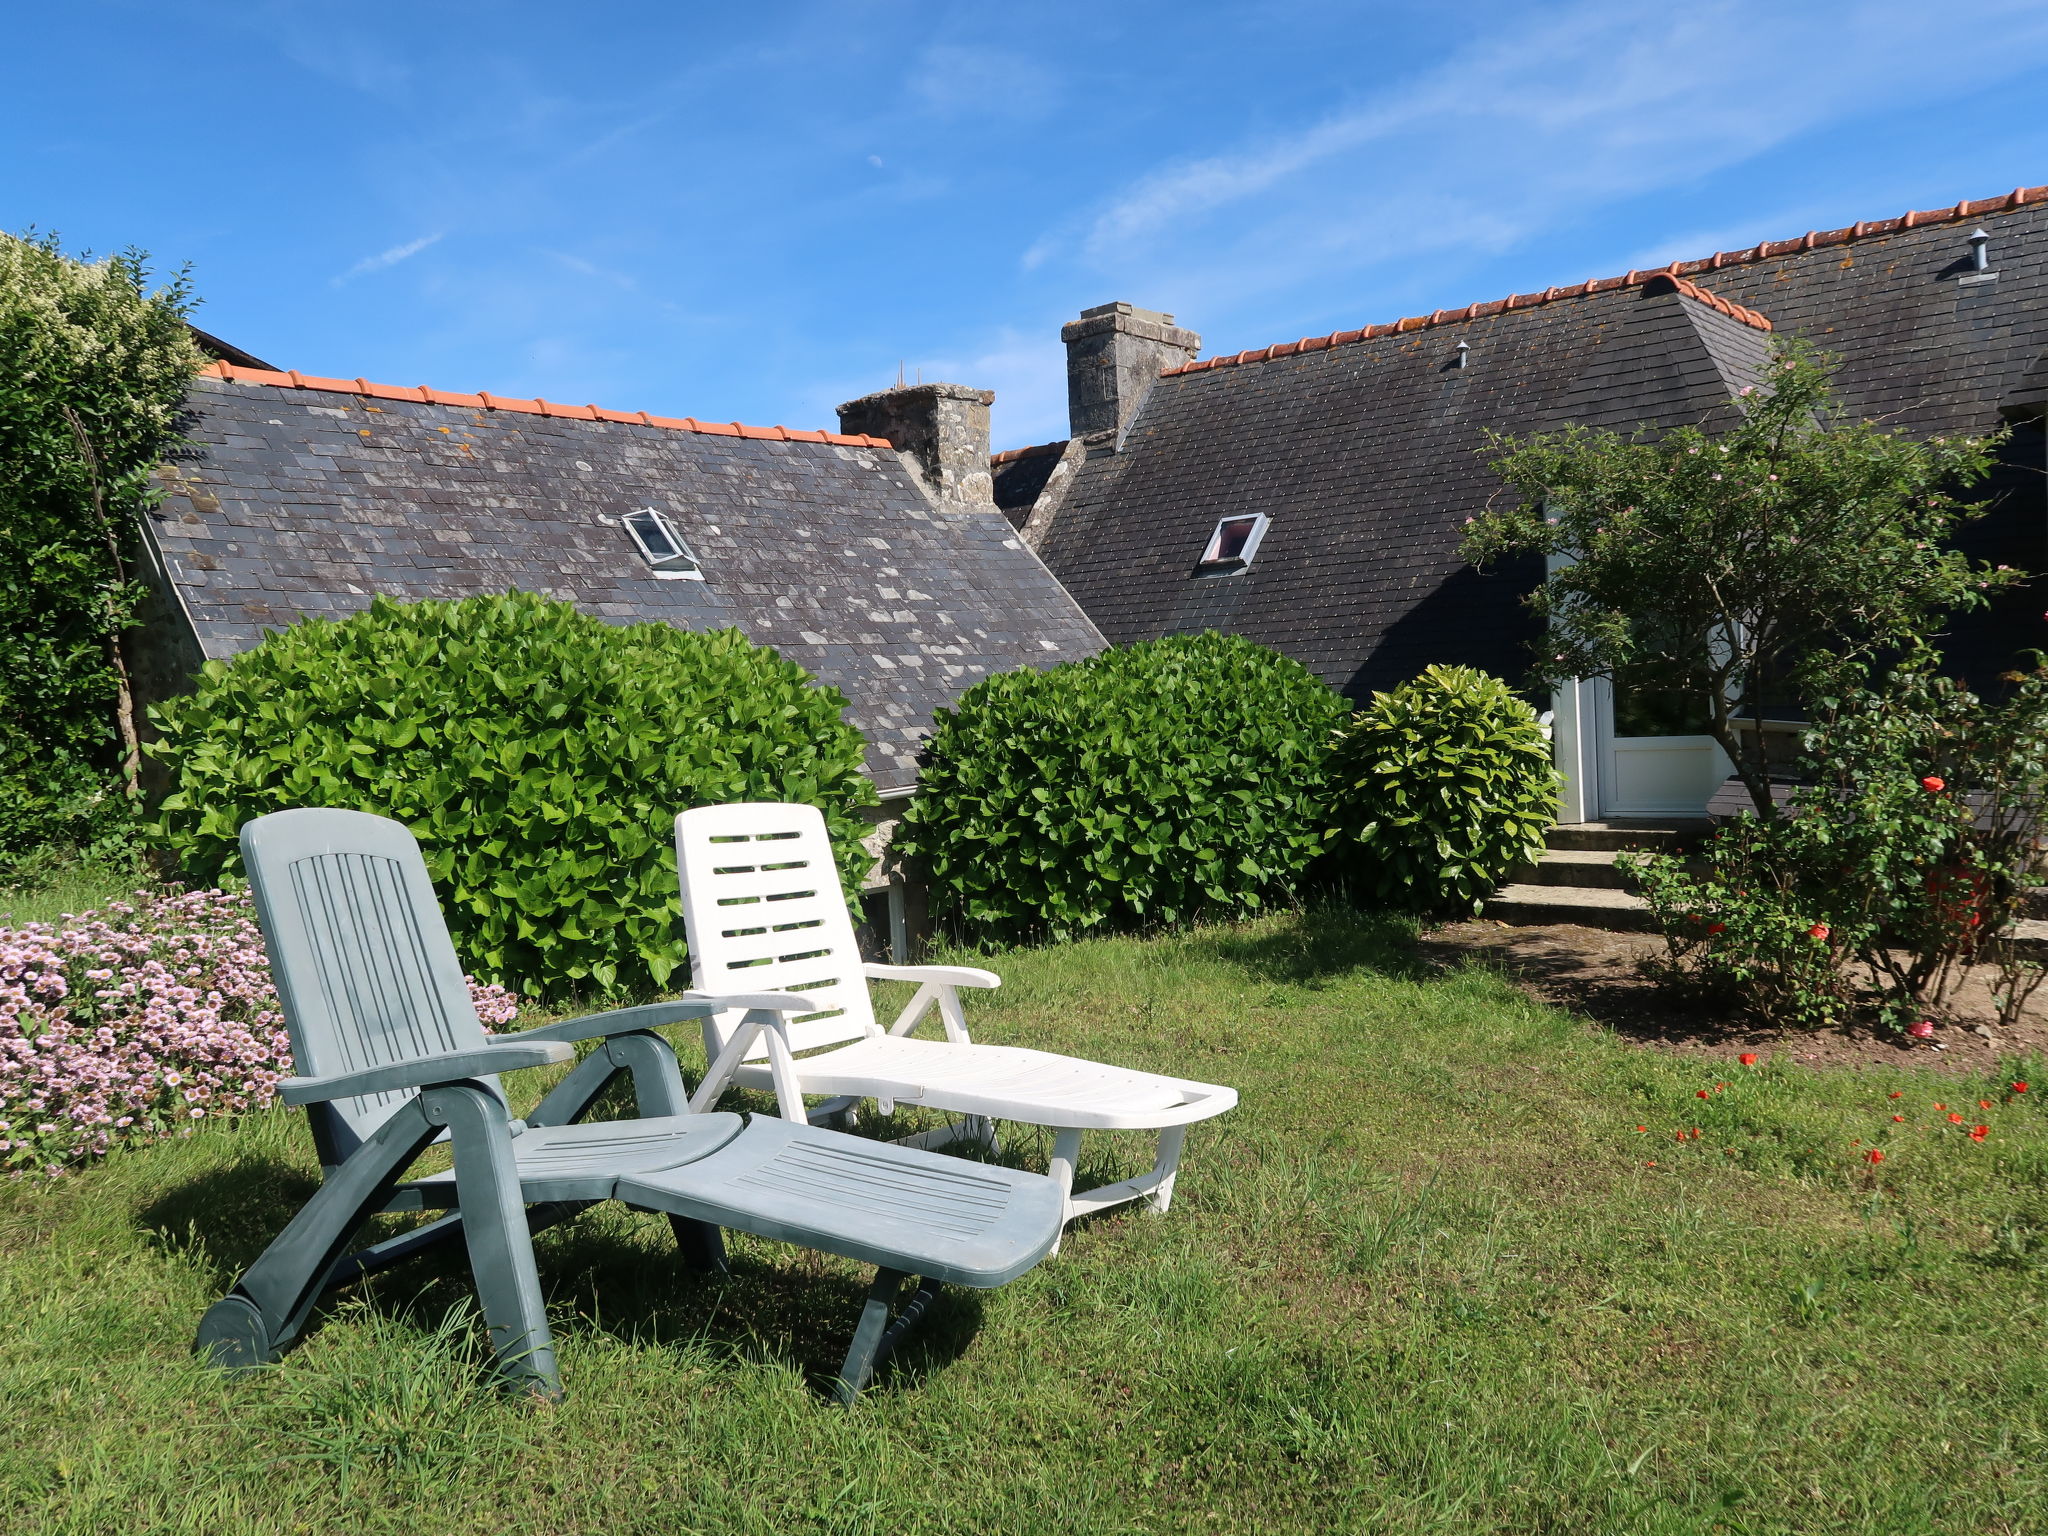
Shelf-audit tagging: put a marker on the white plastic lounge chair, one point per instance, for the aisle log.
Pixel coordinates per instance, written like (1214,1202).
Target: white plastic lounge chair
(764,911)
(391,1058)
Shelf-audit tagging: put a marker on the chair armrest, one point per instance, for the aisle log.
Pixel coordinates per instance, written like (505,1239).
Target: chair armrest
(621,1021)
(424,1071)
(940,975)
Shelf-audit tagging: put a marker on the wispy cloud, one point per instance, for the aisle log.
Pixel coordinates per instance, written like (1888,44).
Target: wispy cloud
(956,81)
(1535,129)
(390,258)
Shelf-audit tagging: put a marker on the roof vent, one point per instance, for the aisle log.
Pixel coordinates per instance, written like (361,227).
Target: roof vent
(1980,258)
(1464,354)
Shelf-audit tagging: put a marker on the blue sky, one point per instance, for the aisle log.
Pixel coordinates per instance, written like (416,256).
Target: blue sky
(754,212)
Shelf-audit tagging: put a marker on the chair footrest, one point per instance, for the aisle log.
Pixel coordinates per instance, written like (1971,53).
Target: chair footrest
(894,1207)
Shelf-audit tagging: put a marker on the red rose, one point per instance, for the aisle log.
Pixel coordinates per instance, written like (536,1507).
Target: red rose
(1954,1118)
(1701,1094)
(1873,1156)
(1932,785)
(1898,1117)
(1817,931)
(1924,1030)
(1979,1132)
(2019,1087)
(1747,1058)
(1717,927)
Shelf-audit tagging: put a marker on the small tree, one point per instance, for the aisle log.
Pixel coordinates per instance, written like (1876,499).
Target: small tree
(93,368)
(1727,565)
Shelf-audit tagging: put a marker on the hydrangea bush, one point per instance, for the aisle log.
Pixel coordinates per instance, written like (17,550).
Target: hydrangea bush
(137,1021)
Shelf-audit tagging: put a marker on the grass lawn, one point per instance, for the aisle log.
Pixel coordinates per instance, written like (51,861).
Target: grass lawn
(1429,1277)
(71,888)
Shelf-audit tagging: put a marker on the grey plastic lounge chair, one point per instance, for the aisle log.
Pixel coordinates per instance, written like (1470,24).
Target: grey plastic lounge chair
(391,1058)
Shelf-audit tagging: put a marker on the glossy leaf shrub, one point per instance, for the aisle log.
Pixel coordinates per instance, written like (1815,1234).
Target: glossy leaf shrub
(1437,789)
(539,755)
(1150,784)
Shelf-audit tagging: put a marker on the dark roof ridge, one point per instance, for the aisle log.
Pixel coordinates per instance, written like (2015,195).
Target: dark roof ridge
(483,400)
(1677,271)
(1010,455)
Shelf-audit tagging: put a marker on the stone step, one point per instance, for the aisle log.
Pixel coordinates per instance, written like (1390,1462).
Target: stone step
(1665,836)
(1584,870)
(1530,905)
(1618,911)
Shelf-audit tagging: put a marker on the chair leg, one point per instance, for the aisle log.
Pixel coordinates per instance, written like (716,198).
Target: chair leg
(253,1324)
(1166,1168)
(867,1338)
(701,1245)
(500,1247)
(1066,1152)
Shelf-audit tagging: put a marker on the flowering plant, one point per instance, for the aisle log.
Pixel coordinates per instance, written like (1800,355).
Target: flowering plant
(137,1021)
(1879,867)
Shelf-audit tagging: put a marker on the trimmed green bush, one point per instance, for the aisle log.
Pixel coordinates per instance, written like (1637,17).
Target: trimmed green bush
(1437,789)
(1149,784)
(539,755)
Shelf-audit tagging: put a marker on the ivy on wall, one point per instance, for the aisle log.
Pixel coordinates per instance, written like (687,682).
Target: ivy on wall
(93,371)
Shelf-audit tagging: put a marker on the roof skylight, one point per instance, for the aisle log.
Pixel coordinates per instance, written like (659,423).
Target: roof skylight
(1233,544)
(662,545)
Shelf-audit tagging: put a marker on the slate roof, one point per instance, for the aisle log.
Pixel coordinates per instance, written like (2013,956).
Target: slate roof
(1361,447)
(1019,474)
(308,498)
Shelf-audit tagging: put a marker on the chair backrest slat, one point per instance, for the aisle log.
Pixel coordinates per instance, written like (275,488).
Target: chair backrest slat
(764,912)
(360,954)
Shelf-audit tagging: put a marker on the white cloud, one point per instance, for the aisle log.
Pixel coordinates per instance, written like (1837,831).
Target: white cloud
(390,258)
(1534,129)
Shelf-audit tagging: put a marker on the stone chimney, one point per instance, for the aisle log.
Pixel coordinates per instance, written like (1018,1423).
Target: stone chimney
(941,432)
(1114,352)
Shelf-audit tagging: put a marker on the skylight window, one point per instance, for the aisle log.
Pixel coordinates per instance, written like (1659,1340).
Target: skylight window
(1233,544)
(662,546)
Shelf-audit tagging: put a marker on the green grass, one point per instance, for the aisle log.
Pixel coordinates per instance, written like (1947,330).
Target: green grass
(56,892)
(1422,1280)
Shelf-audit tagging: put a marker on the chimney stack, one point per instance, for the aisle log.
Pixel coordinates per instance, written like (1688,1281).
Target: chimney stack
(1114,352)
(941,431)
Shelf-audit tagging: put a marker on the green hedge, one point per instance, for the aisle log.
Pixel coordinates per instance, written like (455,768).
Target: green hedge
(540,756)
(1150,784)
(1437,789)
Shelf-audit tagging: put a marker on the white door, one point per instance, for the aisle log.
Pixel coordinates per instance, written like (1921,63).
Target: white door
(1653,775)
(1651,772)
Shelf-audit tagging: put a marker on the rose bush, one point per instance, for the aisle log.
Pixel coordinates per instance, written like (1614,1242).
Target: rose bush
(134,1022)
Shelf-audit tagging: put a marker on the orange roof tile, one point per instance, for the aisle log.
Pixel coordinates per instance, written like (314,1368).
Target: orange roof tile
(484,401)
(1677,273)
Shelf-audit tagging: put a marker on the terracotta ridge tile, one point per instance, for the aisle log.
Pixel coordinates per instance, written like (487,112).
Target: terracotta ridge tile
(1813,239)
(483,400)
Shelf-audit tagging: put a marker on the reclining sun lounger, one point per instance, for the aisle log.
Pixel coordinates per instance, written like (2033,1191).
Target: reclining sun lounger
(763,907)
(391,1057)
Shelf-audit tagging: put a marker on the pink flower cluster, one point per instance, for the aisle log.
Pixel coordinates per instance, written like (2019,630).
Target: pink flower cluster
(137,1021)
